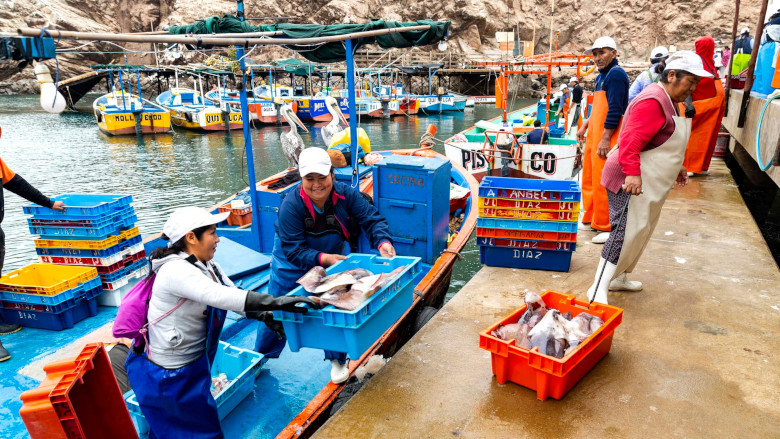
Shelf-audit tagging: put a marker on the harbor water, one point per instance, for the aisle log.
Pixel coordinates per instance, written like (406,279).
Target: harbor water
(68,154)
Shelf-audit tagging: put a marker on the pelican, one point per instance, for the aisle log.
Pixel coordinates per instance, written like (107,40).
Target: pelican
(292,143)
(334,127)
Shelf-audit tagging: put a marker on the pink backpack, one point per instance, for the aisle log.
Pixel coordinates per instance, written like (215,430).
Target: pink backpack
(132,317)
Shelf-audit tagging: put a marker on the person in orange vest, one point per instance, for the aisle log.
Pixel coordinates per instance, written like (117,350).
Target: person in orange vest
(604,110)
(18,185)
(708,101)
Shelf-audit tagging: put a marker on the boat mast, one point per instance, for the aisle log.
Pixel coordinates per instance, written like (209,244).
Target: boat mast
(353,146)
(254,234)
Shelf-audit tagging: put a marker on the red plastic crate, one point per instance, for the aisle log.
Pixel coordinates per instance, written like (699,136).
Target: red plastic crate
(79,398)
(534,235)
(550,376)
(533,205)
(238,217)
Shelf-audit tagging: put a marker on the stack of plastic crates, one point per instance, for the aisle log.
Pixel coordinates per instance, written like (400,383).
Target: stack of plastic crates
(97,231)
(527,223)
(49,296)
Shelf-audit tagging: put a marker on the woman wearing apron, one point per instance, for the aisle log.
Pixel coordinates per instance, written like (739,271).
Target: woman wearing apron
(171,376)
(651,149)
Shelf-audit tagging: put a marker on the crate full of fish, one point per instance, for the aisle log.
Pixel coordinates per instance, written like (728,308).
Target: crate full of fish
(360,298)
(529,189)
(551,342)
(233,379)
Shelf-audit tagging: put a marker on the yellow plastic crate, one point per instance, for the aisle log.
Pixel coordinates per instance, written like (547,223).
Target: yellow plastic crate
(88,245)
(46,279)
(530,205)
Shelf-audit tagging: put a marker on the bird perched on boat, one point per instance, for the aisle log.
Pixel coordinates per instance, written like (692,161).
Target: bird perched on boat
(292,143)
(334,127)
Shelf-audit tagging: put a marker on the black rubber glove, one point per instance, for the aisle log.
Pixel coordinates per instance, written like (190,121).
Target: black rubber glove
(266,302)
(267,317)
(690,110)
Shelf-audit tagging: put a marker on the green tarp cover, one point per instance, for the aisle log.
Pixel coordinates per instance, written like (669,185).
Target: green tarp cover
(326,52)
(297,67)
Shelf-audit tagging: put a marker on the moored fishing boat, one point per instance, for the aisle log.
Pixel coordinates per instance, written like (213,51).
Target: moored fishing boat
(191,111)
(435,104)
(313,108)
(478,148)
(121,113)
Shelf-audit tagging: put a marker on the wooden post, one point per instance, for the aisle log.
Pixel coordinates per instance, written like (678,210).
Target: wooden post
(731,58)
(752,65)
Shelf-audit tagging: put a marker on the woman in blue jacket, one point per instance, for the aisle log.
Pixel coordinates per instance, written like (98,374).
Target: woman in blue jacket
(316,223)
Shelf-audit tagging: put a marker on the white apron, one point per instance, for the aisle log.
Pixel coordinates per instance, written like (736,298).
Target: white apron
(660,167)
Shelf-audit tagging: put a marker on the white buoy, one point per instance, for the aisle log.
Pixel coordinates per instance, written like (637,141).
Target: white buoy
(51,99)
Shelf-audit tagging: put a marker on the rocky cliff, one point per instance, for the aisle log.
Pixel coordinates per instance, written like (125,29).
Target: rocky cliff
(636,25)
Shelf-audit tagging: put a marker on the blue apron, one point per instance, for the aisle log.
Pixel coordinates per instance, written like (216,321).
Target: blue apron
(177,403)
(283,277)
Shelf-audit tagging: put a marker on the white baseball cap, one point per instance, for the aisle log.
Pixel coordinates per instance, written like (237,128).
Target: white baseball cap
(745,30)
(572,79)
(186,219)
(563,87)
(314,160)
(659,52)
(689,62)
(602,43)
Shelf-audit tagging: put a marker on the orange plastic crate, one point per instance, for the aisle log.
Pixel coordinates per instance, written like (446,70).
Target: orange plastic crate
(90,245)
(79,398)
(550,376)
(532,205)
(46,279)
(238,217)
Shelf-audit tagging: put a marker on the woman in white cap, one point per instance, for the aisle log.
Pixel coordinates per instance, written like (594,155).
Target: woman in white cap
(651,75)
(316,222)
(171,376)
(648,162)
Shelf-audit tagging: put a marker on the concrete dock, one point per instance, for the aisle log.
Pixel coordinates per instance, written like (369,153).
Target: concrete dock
(696,354)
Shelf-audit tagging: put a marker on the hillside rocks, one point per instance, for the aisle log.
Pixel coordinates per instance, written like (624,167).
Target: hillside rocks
(636,25)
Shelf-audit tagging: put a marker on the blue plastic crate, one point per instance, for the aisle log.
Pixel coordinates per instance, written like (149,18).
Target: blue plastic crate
(88,233)
(87,253)
(124,272)
(354,331)
(92,222)
(82,205)
(412,193)
(53,321)
(345,174)
(516,224)
(524,258)
(529,189)
(56,299)
(563,246)
(556,132)
(67,304)
(240,366)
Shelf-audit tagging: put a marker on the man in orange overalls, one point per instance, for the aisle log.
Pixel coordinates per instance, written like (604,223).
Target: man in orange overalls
(605,108)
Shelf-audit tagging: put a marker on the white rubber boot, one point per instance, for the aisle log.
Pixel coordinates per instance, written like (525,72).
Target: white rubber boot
(339,372)
(621,283)
(600,294)
(601,238)
(580,224)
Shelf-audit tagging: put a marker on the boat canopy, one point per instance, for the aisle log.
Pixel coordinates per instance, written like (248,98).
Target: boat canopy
(329,52)
(298,67)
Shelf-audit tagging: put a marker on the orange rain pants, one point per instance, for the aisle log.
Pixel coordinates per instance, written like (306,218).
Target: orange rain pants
(705,127)
(594,195)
